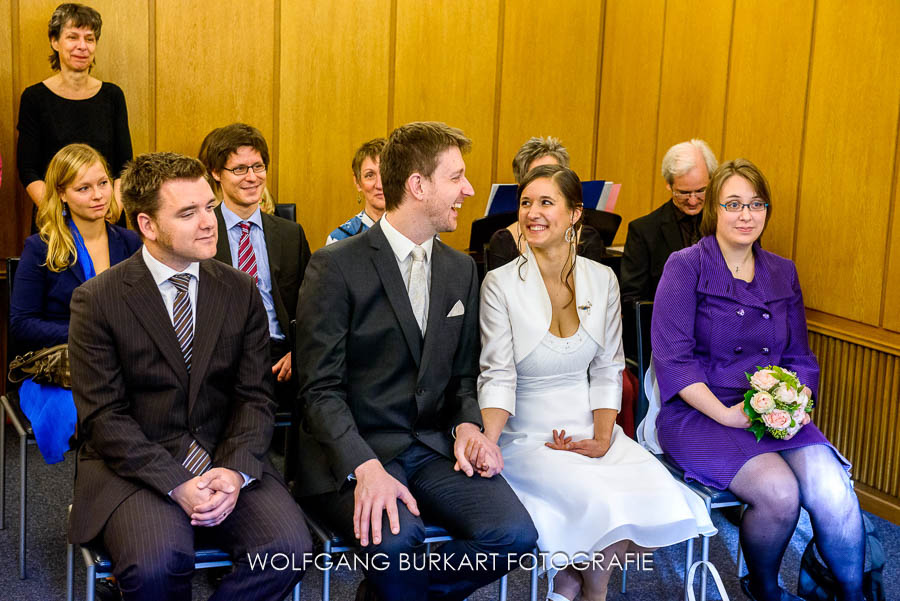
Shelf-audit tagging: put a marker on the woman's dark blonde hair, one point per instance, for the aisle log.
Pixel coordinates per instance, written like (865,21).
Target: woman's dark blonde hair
(742,168)
(51,223)
(569,186)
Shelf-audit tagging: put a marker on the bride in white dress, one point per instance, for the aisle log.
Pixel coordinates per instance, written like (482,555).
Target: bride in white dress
(550,389)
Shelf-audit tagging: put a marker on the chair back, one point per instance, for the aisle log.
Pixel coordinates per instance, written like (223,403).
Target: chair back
(484,228)
(643,313)
(12,263)
(286,211)
(606,223)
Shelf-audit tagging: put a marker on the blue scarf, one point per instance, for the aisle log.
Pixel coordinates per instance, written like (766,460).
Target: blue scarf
(83,258)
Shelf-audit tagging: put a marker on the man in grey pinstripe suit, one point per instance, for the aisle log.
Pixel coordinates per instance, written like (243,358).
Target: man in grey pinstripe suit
(175,403)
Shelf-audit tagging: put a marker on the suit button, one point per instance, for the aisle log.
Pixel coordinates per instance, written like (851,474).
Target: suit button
(740,312)
(766,316)
(765,350)
(738,350)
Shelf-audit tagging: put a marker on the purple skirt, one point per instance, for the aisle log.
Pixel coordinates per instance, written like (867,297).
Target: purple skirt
(711,453)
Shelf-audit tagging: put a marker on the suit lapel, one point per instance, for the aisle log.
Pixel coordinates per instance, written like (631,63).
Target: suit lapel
(146,303)
(223,249)
(436,305)
(273,252)
(671,230)
(210,313)
(386,265)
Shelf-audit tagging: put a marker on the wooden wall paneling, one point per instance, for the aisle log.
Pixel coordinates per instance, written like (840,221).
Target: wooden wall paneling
(629,101)
(891,309)
(850,142)
(122,55)
(694,78)
(549,78)
(10,238)
(333,97)
(439,78)
(766,101)
(212,70)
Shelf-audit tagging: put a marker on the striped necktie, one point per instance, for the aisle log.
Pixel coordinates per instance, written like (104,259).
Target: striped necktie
(183,317)
(246,256)
(418,288)
(198,460)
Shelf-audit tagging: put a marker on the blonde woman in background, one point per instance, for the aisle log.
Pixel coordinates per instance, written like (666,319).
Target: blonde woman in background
(76,241)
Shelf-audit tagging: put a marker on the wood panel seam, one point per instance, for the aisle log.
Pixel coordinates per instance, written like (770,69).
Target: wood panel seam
(662,57)
(812,45)
(392,67)
(595,142)
(727,81)
(498,89)
(276,100)
(151,68)
(891,223)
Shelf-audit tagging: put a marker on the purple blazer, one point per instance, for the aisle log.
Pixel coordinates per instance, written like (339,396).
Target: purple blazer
(710,327)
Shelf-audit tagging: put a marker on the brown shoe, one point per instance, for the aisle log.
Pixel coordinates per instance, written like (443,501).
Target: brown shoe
(365,592)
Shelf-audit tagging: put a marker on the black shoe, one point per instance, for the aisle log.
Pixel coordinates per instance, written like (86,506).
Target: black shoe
(785,596)
(365,592)
(106,589)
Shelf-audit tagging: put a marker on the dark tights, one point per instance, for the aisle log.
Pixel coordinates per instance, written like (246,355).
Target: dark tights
(775,486)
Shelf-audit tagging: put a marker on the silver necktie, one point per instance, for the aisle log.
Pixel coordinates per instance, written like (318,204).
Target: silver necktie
(418,285)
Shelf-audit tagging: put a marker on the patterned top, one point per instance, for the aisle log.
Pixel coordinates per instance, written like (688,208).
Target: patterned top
(353,226)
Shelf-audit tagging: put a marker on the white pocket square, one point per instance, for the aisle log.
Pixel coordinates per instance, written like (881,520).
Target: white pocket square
(458,309)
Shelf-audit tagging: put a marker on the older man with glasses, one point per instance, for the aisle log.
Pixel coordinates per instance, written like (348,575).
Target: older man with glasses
(675,225)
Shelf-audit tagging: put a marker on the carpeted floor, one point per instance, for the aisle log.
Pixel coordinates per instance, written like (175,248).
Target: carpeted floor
(50,491)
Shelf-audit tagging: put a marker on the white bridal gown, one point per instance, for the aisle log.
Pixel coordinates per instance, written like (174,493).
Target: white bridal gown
(581,504)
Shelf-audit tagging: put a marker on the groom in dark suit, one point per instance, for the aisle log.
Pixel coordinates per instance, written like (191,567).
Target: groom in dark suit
(171,379)
(387,352)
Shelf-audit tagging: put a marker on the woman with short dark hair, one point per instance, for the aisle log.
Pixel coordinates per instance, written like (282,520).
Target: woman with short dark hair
(71,106)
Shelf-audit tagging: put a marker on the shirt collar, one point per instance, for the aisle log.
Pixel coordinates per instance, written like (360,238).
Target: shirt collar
(364,217)
(162,272)
(400,244)
(232,219)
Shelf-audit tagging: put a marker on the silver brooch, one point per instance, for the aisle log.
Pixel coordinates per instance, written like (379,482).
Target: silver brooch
(585,307)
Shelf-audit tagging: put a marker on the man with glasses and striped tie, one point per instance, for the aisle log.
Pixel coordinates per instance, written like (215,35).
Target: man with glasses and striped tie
(273,250)
(171,379)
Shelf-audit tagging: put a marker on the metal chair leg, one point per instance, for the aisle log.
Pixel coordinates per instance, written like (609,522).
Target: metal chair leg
(91,581)
(624,579)
(534,581)
(70,568)
(2,466)
(23,440)
(688,562)
(295,594)
(326,574)
(503,585)
(704,555)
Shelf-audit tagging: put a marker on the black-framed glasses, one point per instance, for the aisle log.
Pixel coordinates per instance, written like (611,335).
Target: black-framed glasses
(686,194)
(733,206)
(243,169)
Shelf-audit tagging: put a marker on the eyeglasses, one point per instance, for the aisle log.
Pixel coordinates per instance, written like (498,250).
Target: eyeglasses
(733,206)
(686,194)
(243,169)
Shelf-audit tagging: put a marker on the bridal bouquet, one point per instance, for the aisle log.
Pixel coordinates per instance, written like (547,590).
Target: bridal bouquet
(776,403)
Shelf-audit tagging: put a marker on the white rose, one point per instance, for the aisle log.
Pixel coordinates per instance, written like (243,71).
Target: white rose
(762,402)
(763,380)
(786,394)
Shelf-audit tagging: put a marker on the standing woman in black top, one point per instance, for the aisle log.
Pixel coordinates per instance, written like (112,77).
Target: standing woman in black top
(71,105)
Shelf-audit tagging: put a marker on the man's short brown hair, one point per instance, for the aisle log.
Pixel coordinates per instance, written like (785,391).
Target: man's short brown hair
(222,142)
(145,175)
(414,148)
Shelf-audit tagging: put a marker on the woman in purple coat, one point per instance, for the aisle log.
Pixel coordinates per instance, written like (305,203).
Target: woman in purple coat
(723,307)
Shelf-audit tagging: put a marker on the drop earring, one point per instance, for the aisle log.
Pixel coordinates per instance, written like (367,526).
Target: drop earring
(570,234)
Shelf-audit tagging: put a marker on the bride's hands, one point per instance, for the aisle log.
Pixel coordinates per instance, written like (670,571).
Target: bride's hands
(589,447)
(561,442)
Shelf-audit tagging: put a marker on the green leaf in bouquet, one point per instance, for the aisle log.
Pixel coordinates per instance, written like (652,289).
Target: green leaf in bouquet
(759,429)
(748,408)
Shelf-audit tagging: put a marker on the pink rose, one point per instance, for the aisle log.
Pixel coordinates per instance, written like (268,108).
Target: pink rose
(762,402)
(763,380)
(777,419)
(786,394)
